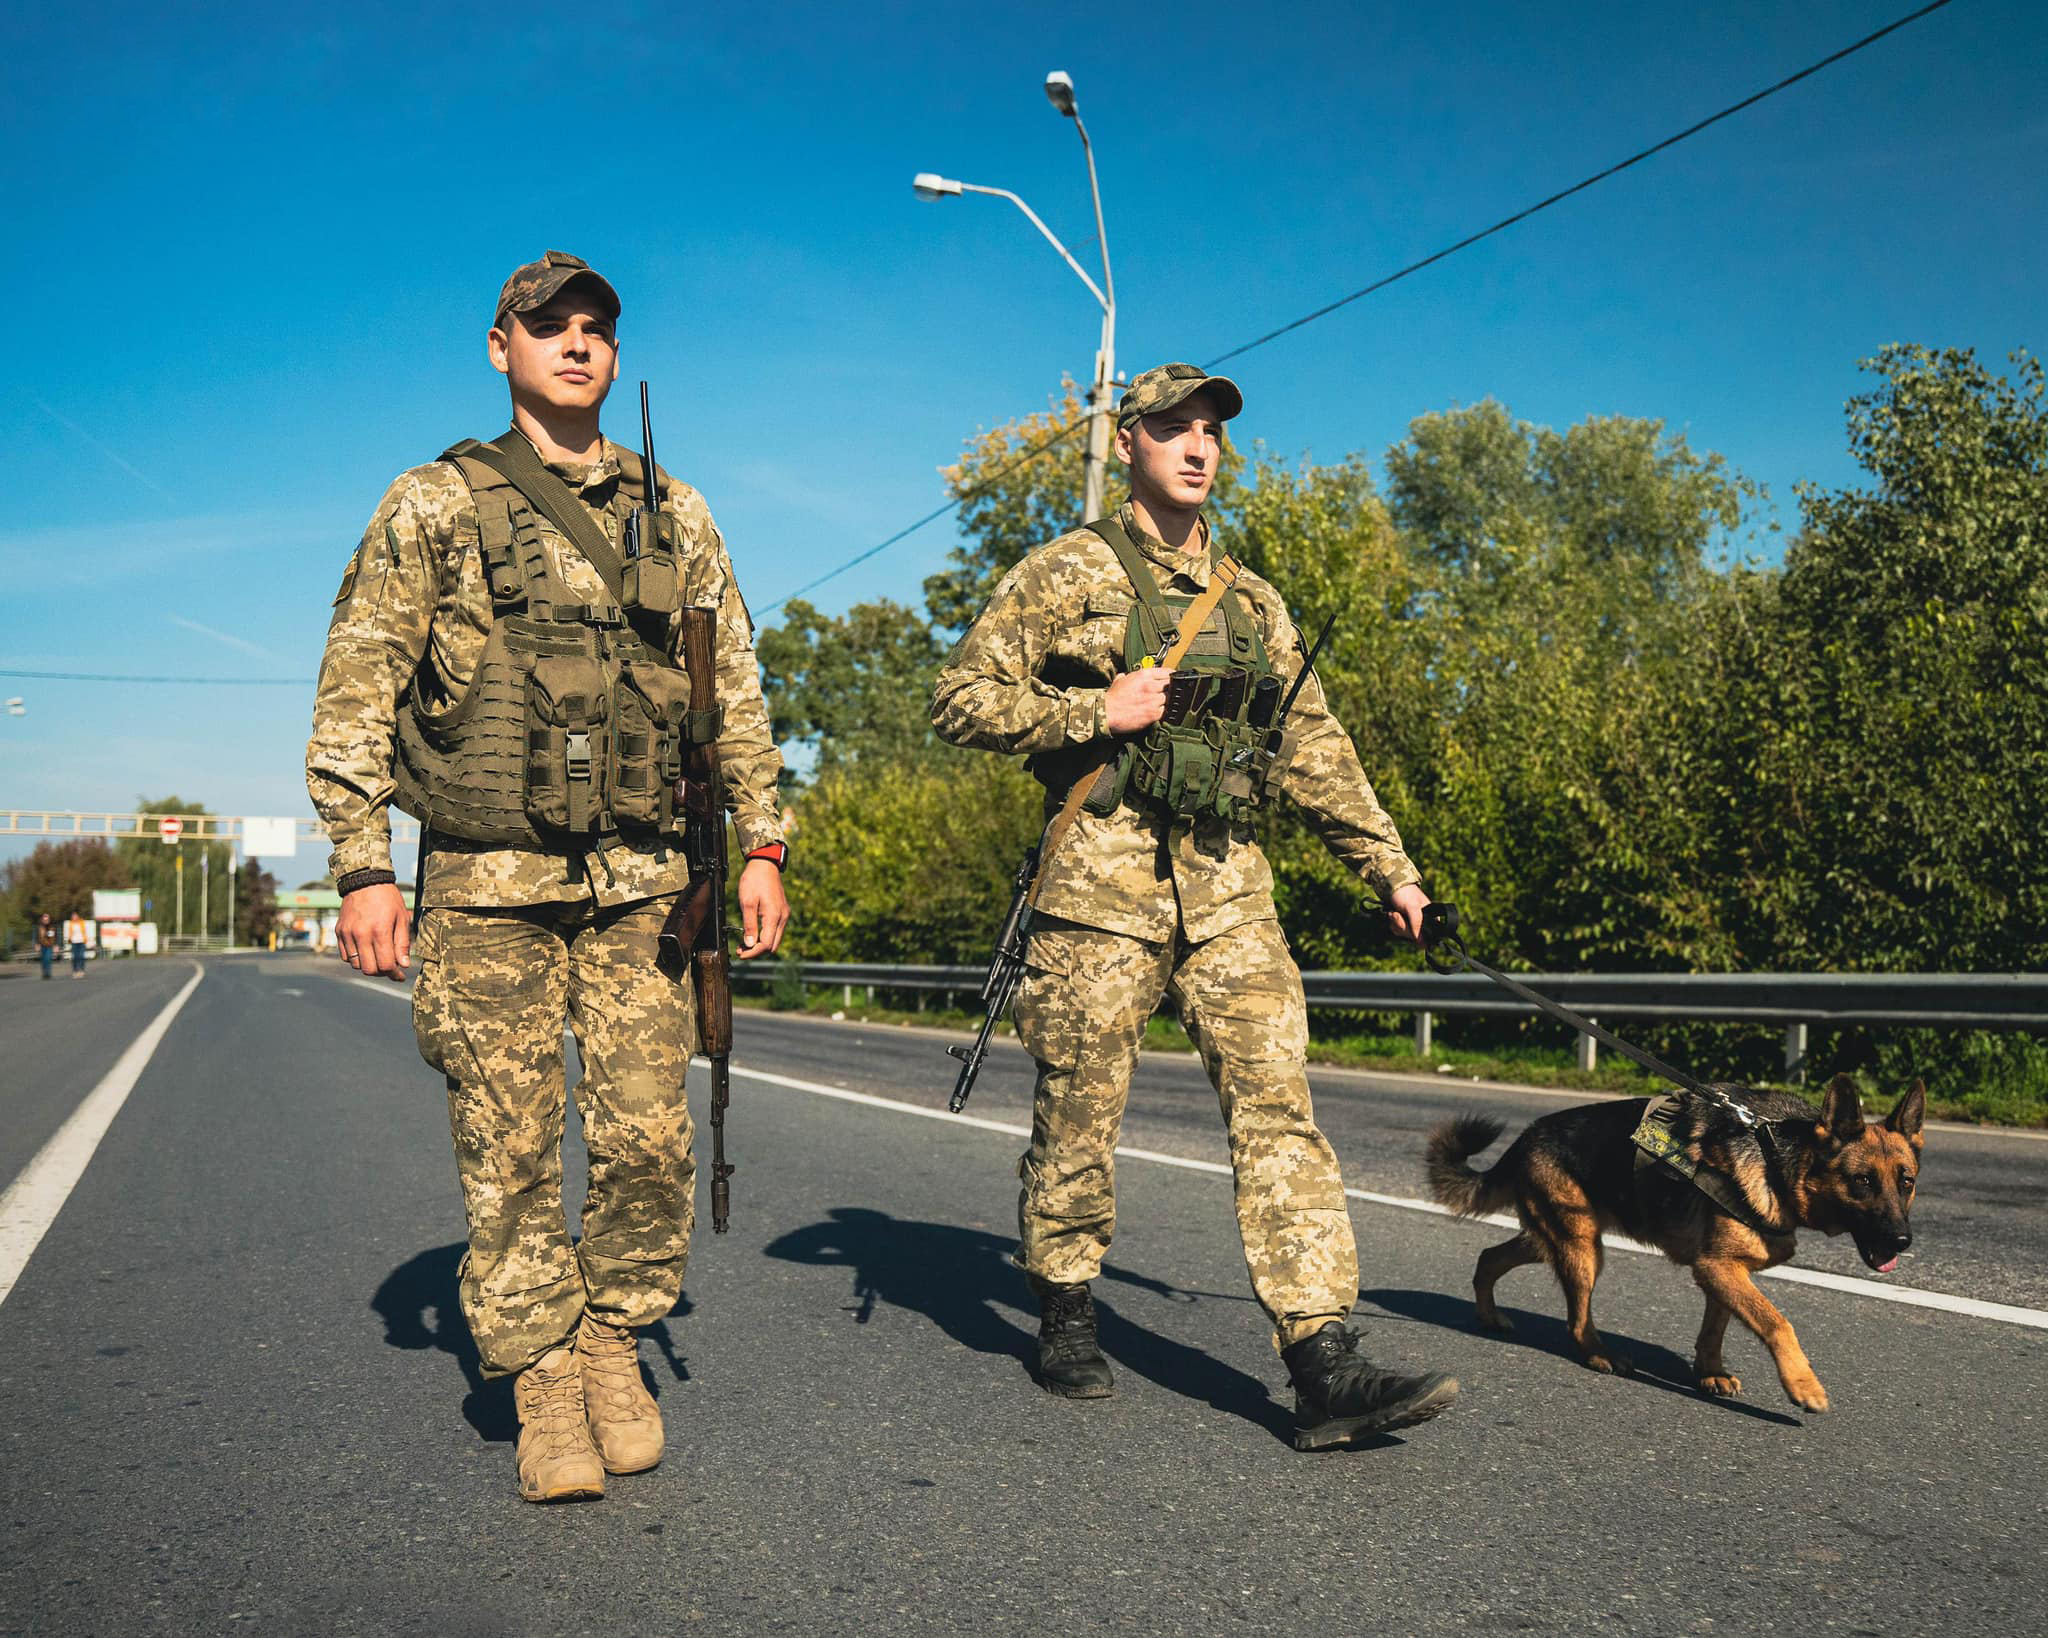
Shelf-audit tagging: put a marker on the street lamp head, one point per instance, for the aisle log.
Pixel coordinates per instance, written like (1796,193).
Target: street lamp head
(1059,88)
(930,185)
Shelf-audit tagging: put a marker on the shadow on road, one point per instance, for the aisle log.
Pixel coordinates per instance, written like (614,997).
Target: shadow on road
(962,1280)
(1547,1334)
(421,1307)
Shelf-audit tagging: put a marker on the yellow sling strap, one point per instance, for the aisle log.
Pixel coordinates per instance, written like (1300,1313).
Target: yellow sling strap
(1221,578)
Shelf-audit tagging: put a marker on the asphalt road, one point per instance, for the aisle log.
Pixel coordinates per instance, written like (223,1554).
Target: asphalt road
(237,1393)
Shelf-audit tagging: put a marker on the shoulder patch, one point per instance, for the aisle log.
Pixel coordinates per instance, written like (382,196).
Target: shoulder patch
(348,578)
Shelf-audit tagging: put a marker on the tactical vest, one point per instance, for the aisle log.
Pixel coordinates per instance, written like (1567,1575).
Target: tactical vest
(1201,758)
(571,731)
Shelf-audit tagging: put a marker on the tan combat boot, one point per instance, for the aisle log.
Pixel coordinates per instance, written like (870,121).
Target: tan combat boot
(556,1459)
(625,1423)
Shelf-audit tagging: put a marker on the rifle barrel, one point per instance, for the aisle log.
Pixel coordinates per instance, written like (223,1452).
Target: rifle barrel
(652,484)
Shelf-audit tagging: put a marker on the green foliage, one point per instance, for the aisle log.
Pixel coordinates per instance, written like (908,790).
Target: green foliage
(1843,767)
(909,861)
(154,868)
(853,685)
(1609,739)
(255,903)
(57,879)
(1012,499)
(787,991)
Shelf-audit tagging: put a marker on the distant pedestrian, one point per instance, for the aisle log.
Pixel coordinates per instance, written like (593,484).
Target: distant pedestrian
(46,943)
(75,936)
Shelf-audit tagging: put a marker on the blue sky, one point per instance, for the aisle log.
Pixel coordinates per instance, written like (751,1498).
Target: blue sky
(261,257)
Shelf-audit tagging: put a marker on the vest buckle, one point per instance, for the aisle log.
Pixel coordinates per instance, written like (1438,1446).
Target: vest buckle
(577,757)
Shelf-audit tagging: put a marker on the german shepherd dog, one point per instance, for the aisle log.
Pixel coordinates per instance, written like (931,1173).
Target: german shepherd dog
(1574,1173)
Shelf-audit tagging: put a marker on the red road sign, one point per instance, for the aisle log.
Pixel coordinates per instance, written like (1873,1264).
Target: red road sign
(170,827)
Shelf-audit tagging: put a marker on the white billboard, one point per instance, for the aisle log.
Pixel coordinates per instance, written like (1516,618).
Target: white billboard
(270,838)
(117,904)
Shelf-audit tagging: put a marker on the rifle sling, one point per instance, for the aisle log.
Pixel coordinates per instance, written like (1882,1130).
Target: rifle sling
(1222,577)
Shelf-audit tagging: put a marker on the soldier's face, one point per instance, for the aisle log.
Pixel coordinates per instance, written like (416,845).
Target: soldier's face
(1173,455)
(564,354)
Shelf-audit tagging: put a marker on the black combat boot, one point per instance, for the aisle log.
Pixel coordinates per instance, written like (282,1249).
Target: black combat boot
(1340,1395)
(1069,1362)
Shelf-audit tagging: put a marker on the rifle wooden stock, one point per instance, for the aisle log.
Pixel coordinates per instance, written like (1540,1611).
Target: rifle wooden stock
(713,982)
(698,917)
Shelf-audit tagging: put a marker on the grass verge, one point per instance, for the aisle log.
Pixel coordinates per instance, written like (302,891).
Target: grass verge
(1992,1100)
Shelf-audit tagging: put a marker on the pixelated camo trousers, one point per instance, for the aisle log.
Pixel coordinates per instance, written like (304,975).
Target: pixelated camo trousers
(1081,1011)
(496,988)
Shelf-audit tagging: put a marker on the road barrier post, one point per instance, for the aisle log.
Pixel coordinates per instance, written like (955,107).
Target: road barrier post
(1795,1052)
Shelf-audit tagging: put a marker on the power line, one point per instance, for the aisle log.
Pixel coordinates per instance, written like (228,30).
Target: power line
(1068,432)
(113,677)
(936,513)
(1393,278)
(1579,187)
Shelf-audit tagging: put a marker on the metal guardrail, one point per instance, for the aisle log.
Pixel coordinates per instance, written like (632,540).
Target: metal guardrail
(1796,1001)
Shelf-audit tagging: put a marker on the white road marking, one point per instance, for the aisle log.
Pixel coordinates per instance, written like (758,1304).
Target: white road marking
(1908,1296)
(1911,1296)
(33,1199)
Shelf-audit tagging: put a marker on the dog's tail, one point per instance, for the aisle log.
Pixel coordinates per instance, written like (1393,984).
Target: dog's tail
(1451,1179)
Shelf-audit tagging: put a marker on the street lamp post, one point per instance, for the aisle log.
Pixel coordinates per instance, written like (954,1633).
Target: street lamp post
(1060,89)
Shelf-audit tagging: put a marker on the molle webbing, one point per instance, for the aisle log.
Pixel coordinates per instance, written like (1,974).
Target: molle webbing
(571,728)
(1200,759)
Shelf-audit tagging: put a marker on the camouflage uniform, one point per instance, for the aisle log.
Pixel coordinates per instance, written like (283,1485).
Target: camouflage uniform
(1136,905)
(514,943)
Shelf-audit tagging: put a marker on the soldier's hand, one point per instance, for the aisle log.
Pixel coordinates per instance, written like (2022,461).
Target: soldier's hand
(764,909)
(1136,700)
(374,931)
(1404,912)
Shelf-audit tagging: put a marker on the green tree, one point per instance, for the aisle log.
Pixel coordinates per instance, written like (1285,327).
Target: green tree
(57,879)
(1019,485)
(255,904)
(1883,750)
(909,860)
(1569,570)
(154,868)
(851,686)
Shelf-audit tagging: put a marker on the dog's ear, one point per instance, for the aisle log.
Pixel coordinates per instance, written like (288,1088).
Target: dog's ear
(1841,1112)
(1908,1113)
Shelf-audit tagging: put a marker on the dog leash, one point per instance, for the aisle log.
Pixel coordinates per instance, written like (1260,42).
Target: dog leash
(1445,952)
(1656,1138)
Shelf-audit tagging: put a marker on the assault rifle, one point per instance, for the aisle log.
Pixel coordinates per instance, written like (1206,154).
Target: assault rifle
(1006,967)
(695,929)
(1005,972)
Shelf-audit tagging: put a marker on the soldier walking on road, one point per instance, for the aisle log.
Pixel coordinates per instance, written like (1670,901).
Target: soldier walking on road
(504,666)
(1160,888)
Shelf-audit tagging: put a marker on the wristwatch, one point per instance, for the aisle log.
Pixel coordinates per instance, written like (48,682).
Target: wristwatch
(776,852)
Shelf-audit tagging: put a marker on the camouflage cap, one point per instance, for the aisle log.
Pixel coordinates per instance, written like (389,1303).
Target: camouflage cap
(1162,388)
(536,283)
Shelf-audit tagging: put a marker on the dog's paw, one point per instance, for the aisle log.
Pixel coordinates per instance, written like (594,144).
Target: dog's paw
(1498,1323)
(1721,1386)
(1807,1393)
(1609,1364)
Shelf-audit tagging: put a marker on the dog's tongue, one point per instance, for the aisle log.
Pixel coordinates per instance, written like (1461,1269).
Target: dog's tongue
(1887,1267)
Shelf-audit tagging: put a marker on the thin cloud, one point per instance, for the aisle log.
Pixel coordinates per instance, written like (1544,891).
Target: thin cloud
(111,454)
(239,644)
